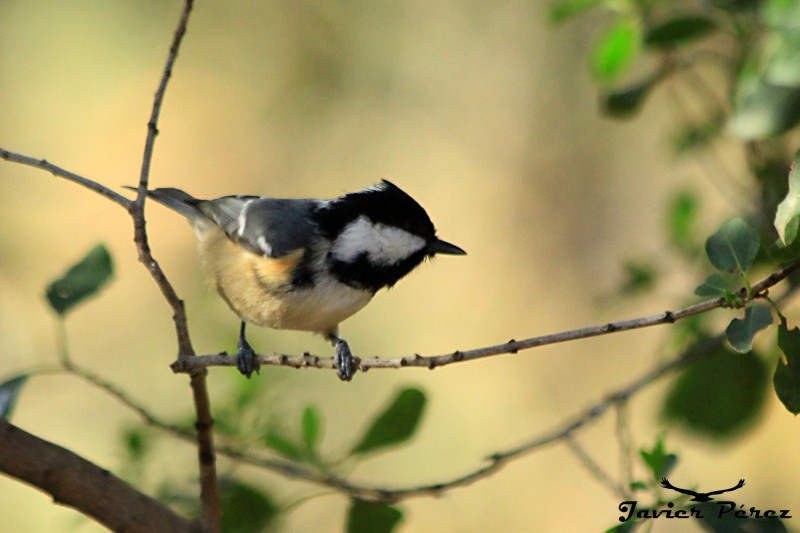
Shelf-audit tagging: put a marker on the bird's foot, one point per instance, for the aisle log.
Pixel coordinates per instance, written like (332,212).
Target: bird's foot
(246,358)
(343,361)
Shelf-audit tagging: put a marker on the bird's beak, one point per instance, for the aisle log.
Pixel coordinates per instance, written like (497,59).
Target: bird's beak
(442,247)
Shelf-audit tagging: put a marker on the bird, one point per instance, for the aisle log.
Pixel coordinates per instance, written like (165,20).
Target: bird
(699,496)
(306,264)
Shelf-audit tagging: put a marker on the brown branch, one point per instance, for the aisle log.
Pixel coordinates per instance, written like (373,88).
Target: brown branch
(59,172)
(209,492)
(192,364)
(75,482)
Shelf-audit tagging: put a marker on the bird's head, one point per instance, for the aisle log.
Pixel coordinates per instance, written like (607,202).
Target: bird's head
(378,235)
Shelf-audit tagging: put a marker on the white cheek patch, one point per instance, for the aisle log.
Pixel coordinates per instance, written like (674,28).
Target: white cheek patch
(383,244)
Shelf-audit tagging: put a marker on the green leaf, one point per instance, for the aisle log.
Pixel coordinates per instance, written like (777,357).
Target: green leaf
(566,9)
(9,390)
(699,135)
(625,527)
(733,247)
(396,424)
(244,508)
(311,427)
(624,103)
(787,373)
(284,446)
(658,460)
(81,281)
(719,395)
(764,110)
(679,30)
(136,443)
(740,332)
(369,517)
(682,220)
(716,285)
(639,277)
(614,50)
(788,214)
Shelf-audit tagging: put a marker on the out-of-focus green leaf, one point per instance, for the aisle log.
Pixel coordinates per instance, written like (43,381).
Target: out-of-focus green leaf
(396,424)
(787,215)
(737,5)
(741,331)
(783,67)
(9,390)
(369,517)
(700,135)
(682,220)
(733,247)
(310,427)
(639,277)
(626,102)
(625,527)
(787,374)
(679,30)
(658,460)
(614,50)
(566,9)
(136,443)
(719,395)
(245,509)
(81,281)
(764,110)
(284,445)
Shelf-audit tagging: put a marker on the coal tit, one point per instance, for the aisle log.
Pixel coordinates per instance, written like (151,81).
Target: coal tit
(305,264)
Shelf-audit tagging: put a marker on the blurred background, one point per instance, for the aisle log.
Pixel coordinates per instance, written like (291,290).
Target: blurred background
(484,112)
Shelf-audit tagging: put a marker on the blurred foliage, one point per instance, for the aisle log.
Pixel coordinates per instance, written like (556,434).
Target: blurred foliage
(81,281)
(740,61)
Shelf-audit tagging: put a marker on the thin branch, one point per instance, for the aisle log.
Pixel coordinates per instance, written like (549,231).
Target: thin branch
(75,482)
(192,364)
(592,467)
(59,172)
(209,491)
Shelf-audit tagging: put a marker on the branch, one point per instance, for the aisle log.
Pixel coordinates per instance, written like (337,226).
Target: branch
(73,481)
(59,172)
(759,290)
(209,492)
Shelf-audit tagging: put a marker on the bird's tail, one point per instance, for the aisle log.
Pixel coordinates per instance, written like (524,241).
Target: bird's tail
(177,200)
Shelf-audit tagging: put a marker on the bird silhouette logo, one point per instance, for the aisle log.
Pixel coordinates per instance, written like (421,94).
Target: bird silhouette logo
(699,496)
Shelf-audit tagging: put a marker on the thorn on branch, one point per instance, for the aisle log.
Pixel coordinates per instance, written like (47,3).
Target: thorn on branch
(458,356)
(511,346)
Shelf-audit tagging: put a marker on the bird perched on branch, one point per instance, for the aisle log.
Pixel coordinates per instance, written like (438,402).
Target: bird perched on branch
(304,264)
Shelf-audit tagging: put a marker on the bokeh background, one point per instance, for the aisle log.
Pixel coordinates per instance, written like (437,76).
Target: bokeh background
(485,113)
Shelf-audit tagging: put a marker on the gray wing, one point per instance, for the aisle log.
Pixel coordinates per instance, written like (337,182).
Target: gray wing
(267,226)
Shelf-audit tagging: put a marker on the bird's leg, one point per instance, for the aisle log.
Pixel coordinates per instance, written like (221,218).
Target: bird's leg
(245,356)
(343,360)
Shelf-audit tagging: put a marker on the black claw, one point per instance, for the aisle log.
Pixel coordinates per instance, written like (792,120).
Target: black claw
(345,366)
(245,356)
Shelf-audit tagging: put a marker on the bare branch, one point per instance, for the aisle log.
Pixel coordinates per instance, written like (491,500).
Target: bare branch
(192,364)
(209,493)
(59,172)
(78,483)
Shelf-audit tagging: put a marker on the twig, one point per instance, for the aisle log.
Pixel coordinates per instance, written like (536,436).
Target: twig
(209,493)
(59,172)
(192,364)
(592,467)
